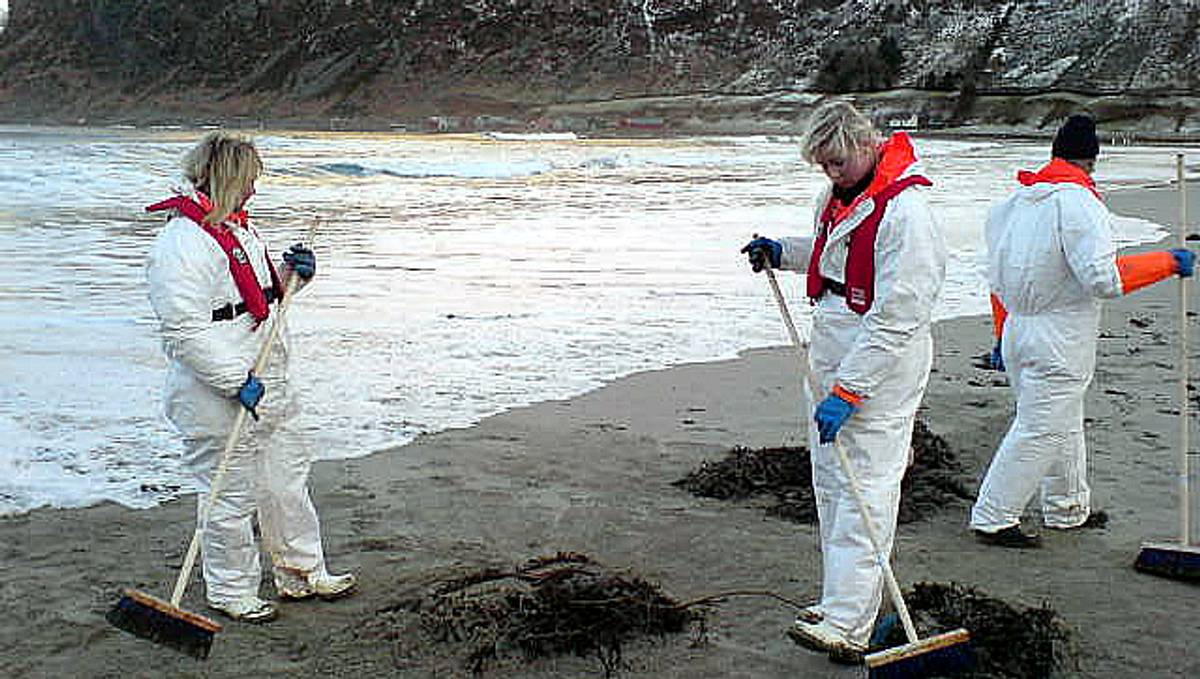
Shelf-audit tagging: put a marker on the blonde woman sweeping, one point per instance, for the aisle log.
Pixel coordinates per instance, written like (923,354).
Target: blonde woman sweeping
(212,286)
(874,266)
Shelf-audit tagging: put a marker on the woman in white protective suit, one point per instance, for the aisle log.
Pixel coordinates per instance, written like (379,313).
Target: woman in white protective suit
(1050,258)
(874,266)
(212,285)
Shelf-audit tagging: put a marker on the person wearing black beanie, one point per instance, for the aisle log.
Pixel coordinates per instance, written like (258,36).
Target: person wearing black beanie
(1051,258)
(1076,139)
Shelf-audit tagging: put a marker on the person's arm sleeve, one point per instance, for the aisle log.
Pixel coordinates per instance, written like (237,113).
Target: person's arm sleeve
(910,266)
(1085,227)
(182,274)
(999,315)
(1148,268)
(797,252)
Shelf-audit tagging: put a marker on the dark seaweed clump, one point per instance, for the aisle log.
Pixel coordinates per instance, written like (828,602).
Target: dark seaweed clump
(1008,642)
(562,604)
(934,481)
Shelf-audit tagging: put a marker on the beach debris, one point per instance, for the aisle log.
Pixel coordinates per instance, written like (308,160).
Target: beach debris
(551,605)
(1009,642)
(935,481)
(983,361)
(1097,520)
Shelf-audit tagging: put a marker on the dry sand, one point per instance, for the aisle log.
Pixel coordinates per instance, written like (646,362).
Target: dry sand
(593,474)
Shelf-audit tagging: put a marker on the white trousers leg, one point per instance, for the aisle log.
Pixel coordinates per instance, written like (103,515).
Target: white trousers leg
(877,439)
(1044,448)
(291,530)
(852,584)
(229,552)
(267,476)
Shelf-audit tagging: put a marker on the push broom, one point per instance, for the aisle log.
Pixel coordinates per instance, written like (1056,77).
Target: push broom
(164,622)
(1180,561)
(938,655)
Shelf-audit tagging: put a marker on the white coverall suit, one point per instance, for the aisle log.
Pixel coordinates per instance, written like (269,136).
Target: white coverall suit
(883,355)
(189,277)
(1050,257)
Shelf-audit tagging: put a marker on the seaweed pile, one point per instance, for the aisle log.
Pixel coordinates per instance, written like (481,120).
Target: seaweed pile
(1009,642)
(744,473)
(935,480)
(560,604)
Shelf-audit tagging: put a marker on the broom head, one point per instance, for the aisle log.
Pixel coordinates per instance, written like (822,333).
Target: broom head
(1170,560)
(936,656)
(152,618)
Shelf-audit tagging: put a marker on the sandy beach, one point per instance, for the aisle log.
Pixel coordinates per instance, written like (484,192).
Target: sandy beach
(593,474)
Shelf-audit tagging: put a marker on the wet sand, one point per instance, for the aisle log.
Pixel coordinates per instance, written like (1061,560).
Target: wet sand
(593,474)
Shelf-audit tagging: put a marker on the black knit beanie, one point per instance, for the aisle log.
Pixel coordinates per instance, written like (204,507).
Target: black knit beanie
(1076,139)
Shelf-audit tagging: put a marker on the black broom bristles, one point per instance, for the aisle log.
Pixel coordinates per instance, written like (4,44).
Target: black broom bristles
(943,655)
(1179,562)
(149,618)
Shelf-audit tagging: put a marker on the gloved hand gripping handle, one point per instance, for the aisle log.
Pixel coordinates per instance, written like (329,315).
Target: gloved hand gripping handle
(260,364)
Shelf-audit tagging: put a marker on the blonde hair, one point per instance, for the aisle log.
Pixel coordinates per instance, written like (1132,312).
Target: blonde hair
(836,128)
(223,166)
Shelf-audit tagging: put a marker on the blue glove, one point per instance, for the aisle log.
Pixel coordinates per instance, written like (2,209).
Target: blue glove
(251,393)
(760,249)
(302,260)
(831,414)
(997,360)
(1185,262)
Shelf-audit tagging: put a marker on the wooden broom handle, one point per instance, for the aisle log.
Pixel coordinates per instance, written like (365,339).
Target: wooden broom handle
(260,364)
(1185,528)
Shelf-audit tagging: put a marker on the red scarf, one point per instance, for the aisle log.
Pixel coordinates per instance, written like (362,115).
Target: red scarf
(239,264)
(895,156)
(1059,171)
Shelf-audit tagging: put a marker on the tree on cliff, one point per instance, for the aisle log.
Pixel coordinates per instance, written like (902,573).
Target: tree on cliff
(858,66)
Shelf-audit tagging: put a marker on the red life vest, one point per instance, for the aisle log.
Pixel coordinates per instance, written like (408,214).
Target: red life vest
(240,268)
(860,258)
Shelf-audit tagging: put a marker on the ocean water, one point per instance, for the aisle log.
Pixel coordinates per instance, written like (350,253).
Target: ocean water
(459,276)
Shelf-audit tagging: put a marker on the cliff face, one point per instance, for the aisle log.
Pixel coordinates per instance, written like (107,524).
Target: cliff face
(501,57)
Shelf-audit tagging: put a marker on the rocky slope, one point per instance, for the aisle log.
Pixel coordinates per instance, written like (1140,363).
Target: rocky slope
(590,63)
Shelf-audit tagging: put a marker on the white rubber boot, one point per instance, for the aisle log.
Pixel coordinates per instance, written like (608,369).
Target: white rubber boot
(822,636)
(296,586)
(247,609)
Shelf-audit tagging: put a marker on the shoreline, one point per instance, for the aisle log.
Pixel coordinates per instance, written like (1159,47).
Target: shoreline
(1131,118)
(975,132)
(1116,137)
(592,473)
